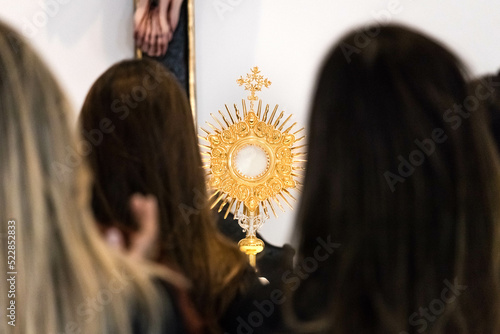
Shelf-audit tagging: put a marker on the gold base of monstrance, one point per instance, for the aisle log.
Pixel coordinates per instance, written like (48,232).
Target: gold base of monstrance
(252,162)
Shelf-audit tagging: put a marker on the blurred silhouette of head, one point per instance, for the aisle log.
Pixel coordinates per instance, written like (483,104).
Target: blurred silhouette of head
(403,175)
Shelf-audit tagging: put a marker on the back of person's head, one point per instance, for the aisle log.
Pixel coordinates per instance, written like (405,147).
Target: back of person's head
(65,278)
(149,146)
(401,190)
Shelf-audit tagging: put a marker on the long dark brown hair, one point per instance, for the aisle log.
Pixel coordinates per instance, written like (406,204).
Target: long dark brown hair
(140,125)
(403,175)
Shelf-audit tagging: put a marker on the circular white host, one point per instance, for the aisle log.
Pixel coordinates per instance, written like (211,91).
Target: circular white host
(251,161)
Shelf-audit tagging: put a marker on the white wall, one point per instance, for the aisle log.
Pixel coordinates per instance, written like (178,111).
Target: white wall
(287,39)
(80,39)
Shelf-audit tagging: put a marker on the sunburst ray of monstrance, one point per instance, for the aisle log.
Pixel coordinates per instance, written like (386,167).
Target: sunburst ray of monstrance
(252,161)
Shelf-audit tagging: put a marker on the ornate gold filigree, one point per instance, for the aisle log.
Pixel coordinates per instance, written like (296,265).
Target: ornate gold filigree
(253,83)
(271,185)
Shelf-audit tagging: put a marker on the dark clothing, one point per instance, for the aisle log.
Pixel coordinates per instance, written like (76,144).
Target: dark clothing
(272,262)
(171,317)
(178,314)
(258,310)
(176,58)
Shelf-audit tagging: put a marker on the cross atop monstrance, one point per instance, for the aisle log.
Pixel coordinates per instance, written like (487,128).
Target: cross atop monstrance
(252,162)
(254,83)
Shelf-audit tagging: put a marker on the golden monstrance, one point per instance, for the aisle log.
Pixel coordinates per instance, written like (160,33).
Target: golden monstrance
(252,161)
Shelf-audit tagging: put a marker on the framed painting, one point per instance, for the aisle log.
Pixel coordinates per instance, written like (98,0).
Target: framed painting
(180,54)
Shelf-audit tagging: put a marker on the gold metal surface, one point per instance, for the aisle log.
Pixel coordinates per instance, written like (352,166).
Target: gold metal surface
(241,129)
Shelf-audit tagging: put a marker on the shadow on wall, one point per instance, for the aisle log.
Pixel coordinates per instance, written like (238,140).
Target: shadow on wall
(69,20)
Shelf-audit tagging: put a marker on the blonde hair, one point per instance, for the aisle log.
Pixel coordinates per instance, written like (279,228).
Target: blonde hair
(67,279)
